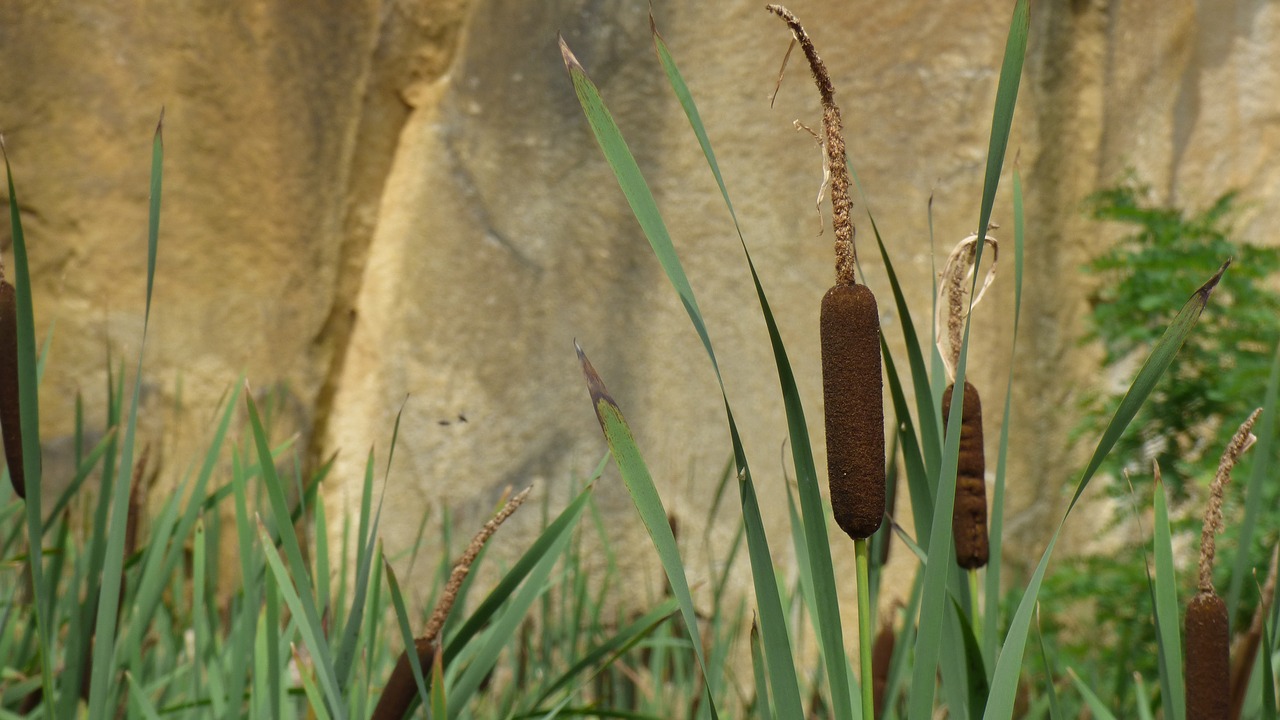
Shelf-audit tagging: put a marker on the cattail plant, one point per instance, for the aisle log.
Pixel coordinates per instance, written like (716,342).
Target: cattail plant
(1208,654)
(852,386)
(969,514)
(10,419)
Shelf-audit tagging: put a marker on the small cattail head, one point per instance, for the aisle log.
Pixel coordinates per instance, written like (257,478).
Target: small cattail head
(853,390)
(1208,674)
(969,516)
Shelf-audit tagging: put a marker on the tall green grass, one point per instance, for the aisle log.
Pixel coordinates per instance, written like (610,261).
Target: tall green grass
(104,615)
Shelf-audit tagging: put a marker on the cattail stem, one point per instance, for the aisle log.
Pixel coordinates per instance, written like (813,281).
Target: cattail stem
(861,553)
(974,607)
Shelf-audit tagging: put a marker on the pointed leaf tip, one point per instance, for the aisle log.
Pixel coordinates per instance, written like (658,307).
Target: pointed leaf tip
(570,61)
(1207,289)
(653,24)
(595,385)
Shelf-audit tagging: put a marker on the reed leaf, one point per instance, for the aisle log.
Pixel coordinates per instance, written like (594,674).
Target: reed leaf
(104,646)
(1164,590)
(29,421)
(991,609)
(1091,699)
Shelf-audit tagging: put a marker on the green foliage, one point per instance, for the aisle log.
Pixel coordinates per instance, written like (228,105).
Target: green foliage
(1218,379)
(1212,385)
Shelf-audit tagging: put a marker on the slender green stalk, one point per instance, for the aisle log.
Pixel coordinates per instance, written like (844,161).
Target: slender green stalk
(861,552)
(973,601)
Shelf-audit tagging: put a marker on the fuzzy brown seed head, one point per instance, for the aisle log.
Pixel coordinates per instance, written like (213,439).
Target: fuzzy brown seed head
(10,418)
(853,390)
(1208,673)
(969,516)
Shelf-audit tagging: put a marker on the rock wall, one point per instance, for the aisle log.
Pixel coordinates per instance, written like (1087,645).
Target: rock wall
(371,200)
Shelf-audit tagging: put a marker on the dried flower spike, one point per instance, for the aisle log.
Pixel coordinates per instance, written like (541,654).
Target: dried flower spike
(849,324)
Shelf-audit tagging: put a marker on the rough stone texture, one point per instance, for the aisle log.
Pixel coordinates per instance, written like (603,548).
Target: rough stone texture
(368,200)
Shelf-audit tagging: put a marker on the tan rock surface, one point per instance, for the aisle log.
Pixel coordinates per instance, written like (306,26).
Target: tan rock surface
(370,200)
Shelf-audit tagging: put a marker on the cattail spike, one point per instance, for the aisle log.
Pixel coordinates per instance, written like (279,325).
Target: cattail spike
(1208,674)
(853,391)
(969,516)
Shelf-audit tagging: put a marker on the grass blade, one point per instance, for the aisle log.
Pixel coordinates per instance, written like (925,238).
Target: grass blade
(1050,690)
(1100,710)
(312,635)
(635,474)
(995,530)
(634,188)
(1165,594)
(112,578)
(406,631)
(612,648)
(1015,50)
(29,420)
(762,708)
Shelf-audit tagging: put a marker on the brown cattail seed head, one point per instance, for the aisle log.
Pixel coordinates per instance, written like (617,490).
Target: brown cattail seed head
(854,394)
(1208,673)
(969,516)
(10,418)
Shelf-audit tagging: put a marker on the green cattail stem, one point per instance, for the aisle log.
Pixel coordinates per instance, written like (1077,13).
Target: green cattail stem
(975,612)
(861,554)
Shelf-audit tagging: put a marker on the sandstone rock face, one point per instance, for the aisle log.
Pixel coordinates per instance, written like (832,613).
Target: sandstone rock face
(371,200)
